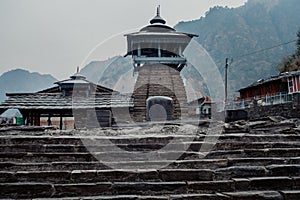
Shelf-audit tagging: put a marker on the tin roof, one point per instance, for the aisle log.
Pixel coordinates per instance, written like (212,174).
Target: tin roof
(56,101)
(281,76)
(76,79)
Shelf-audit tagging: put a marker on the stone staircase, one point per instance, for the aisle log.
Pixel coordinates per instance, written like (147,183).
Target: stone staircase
(240,166)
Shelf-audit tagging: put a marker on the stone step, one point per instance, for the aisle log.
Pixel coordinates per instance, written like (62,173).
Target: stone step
(254,195)
(266,183)
(291,194)
(226,138)
(262,161)
(94,165)
(104,156)
(168,164)
(250,138)
(256,188)
(190,146)
(111,175)
(217,196)
(240,172)
(283,170)
(255,145)
(256,171)
(4,140)
(46,157)
(143,156)
(113,197)
(176,189)
(250,153)
(249,173)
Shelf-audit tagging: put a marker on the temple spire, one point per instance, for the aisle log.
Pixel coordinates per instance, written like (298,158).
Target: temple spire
(158,18)
(158,10)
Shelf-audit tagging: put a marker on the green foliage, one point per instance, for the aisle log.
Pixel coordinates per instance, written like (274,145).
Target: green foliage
(292,63)
(298,44)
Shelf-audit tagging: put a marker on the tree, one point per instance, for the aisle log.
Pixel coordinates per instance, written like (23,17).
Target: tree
(291,63)
(298,44)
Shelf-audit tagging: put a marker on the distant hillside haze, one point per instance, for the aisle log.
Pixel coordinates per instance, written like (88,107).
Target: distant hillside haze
(20,80)
(108,72)
(237,32)
(94,70)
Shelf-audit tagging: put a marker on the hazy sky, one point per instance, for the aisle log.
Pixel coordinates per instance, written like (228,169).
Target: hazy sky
(55,36)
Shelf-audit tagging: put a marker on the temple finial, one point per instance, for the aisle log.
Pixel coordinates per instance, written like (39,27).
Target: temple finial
(157,18)
(158,10)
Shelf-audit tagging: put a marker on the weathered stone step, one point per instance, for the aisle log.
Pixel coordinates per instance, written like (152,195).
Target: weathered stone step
(254,195)
(217,196)
(171,188)
(266,183)
(95,165)
(113,197)
(228,173)
(230,138)
(32,190)
(291,194)
(283,170)
(248,153)
(26,190)
(46,157)
(99,139)
(239,172)
(195,146)
(40,140)
(252,188)
(190,146)
(89,176)
(262,161)
(104,156)
(255,145)
(138,156)
(245,137)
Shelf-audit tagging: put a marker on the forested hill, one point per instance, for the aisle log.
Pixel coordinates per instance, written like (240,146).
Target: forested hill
(19,80)
(238,32)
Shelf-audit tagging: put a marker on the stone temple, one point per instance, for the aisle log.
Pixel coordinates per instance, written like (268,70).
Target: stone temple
(157,52)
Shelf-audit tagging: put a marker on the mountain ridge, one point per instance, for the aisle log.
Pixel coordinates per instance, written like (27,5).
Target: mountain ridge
(233,32)
(21,80)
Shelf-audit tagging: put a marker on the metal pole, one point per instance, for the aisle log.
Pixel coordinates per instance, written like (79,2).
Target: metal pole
(60,122)
(226,80)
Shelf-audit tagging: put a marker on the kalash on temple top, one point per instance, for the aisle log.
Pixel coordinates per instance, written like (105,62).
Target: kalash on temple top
(158,43)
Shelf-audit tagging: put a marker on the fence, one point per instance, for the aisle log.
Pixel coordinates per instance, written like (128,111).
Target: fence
(280,98)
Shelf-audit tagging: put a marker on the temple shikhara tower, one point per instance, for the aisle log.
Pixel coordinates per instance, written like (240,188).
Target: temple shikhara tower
(157,52)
